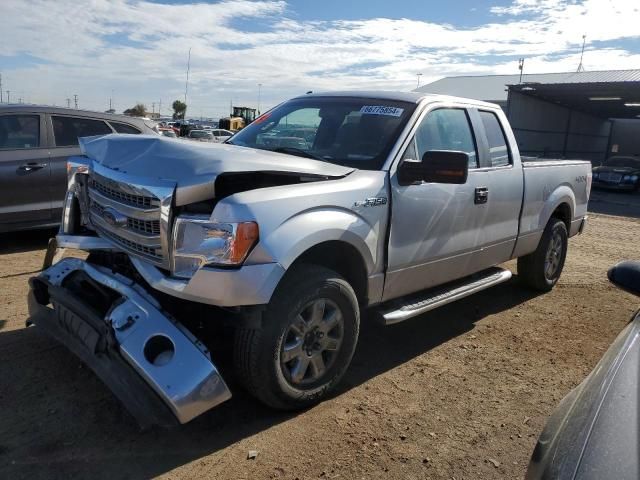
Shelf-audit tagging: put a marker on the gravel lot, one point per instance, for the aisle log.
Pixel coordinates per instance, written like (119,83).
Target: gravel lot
(461,392)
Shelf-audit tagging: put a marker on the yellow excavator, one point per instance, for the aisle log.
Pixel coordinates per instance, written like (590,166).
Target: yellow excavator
(240,118)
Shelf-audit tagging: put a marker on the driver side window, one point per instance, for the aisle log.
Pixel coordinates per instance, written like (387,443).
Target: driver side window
(445,129)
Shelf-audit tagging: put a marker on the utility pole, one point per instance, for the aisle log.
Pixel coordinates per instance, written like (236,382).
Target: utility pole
(153,108)
(68,103)
(581,66)
(160,108)
(8,96)
(0,88)
(521,68)
(75,100)
(186,85)
(259,92)
(419,75)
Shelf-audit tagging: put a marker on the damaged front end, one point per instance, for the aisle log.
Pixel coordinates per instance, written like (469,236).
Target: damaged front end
(136,348)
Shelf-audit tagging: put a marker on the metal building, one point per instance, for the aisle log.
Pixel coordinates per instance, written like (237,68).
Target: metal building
(588,115)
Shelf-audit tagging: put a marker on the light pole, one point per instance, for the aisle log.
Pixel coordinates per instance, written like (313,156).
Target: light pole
(259,92)
(8,96)
(419,75)
(186,85)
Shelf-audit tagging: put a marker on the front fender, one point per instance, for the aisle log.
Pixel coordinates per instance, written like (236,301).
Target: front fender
(307,229)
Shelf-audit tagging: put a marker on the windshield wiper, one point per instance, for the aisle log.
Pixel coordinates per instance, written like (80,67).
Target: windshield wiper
(299,152)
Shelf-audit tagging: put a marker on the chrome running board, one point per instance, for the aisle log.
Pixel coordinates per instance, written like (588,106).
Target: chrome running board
(416,304)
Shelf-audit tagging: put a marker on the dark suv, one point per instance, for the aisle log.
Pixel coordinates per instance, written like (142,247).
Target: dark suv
(35,142)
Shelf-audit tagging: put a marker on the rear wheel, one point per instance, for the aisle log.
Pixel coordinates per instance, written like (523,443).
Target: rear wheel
(541,269)
(309,334)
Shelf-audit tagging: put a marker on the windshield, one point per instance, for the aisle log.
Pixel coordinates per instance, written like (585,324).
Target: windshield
(622,162)
(354,132)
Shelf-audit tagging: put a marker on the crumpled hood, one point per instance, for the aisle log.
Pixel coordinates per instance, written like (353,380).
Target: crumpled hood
(190,163)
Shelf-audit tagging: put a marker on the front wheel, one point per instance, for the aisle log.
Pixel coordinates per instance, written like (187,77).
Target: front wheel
(541,269)
(308,337)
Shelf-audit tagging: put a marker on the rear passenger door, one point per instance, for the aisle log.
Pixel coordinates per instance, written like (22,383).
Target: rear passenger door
(66,130)
(504,186)
(25,173)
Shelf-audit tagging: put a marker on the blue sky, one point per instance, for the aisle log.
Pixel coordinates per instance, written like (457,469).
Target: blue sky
(136,50)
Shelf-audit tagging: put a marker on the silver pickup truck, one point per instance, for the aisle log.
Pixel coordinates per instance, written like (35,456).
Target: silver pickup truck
(323,207)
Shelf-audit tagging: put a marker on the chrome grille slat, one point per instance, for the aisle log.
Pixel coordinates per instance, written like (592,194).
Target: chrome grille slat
(128,210)
(148,252)
(139,201)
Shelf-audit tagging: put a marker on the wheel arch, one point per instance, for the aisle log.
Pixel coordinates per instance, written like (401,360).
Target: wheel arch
(341,257)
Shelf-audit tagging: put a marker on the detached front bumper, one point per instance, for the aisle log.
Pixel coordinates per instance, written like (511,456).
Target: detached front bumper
(160,372)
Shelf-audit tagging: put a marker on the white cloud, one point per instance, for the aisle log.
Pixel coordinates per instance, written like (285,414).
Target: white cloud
(139,49)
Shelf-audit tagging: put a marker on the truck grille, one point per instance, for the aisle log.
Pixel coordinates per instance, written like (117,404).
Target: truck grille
(128,215)
(610,177)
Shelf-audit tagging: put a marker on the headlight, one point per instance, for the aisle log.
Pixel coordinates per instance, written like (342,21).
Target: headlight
(198,242)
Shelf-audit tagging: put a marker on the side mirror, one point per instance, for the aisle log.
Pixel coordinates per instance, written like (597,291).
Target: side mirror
(437,166)
(626,275)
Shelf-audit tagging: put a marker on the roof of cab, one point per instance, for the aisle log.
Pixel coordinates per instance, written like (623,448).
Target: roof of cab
(411,97)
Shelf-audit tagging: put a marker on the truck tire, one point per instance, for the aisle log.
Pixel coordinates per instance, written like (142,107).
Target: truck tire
(541,269)
(307,339)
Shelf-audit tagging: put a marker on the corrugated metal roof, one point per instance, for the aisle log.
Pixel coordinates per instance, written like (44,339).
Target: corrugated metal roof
(493,88)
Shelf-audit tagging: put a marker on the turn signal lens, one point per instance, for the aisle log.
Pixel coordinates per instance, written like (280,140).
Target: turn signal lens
(245,238)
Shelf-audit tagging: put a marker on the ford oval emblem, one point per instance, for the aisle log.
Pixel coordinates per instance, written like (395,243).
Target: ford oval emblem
(113,217)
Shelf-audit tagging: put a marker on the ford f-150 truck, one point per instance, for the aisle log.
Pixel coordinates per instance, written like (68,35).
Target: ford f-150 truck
(325,206)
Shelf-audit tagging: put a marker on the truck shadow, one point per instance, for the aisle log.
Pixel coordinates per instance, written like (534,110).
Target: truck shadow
(25,241)
(57,417)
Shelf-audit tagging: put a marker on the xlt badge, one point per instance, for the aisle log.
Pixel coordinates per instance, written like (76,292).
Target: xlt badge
(371,202)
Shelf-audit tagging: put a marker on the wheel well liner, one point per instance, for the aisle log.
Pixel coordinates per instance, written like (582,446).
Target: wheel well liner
(343,258)
(563,212)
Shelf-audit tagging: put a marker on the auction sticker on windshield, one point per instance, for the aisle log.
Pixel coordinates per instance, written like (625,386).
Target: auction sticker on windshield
(381,110)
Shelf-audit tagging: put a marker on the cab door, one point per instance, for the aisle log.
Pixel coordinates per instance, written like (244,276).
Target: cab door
(25,171)
(436,229)
(504,185)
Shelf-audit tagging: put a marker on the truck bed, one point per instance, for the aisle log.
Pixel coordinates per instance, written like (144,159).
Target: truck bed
(547,184)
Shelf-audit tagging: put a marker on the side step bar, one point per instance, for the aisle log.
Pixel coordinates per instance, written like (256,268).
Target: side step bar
(413,305)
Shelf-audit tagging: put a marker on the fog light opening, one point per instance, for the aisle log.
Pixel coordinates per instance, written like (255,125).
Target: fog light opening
(159,350)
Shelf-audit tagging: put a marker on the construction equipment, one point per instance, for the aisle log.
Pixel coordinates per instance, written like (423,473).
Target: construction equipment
(240,118)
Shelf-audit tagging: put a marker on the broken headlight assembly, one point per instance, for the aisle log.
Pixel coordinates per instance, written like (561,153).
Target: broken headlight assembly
(197,241)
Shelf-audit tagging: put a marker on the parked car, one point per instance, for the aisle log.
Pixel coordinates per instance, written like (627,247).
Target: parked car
(200,135)
(593,434)
(618,173)
(220,135)
(404,202)
(168,132)
(35,144)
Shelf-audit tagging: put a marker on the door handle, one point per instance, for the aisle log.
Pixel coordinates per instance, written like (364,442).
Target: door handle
(481,195)
(31,166)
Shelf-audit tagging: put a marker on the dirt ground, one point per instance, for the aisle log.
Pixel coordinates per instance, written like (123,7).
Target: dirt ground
(461,392)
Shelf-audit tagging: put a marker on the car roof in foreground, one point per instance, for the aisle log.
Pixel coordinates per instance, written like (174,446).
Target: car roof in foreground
(410,97)
(25,107)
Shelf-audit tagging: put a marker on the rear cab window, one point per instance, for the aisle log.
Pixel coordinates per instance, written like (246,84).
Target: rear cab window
(67,130)
(498,148)
(124,128)
(19,131)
